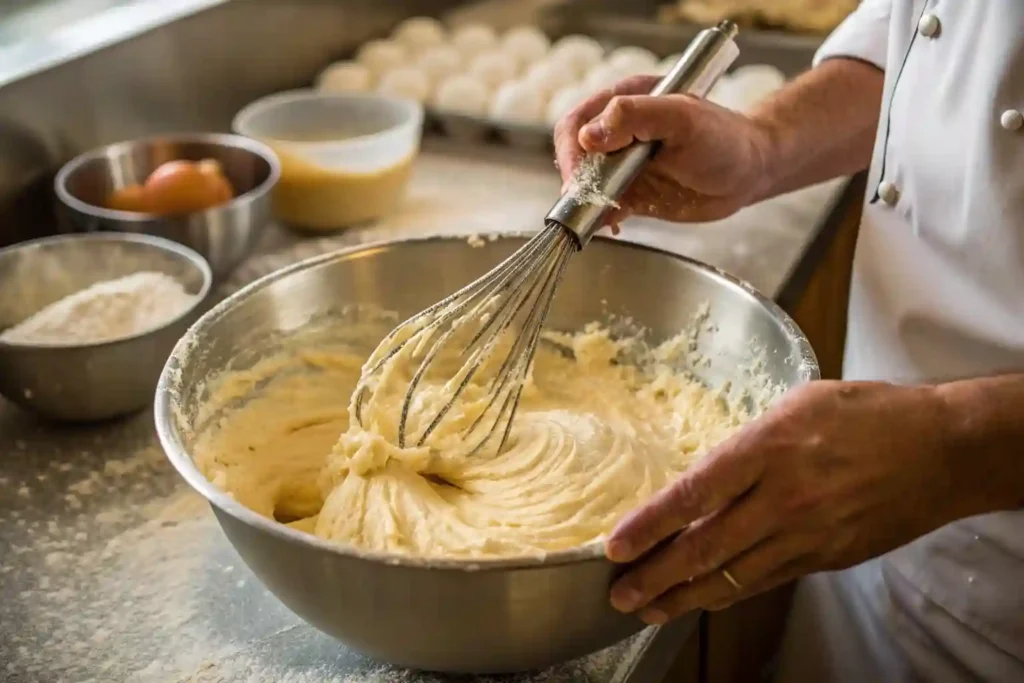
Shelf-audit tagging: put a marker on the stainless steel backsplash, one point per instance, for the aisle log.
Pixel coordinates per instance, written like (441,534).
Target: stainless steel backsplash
(191,74)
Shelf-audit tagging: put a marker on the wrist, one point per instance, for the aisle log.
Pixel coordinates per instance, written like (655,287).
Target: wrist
(769,149)
(820,126)
(981,438)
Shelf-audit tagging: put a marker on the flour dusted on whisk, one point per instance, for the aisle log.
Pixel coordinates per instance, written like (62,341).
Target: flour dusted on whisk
(585,185)
(108,310)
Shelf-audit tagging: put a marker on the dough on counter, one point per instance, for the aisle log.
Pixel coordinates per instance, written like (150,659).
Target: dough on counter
(525,44)
(755,82)
(462,94)
(345,77)
(494,68)
(580,53)
(548,76)
(603,76)
(408,82)
(418,34)
(723,93)
(440,62)
(380,56)
(633,60)
(474,39)
(518,101)
(665,65)
(593,439)
(564,101)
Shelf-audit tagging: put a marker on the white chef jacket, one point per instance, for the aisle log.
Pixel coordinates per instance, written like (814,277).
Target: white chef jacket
(937,293)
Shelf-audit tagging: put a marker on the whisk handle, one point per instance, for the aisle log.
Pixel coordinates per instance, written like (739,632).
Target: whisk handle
(707,57)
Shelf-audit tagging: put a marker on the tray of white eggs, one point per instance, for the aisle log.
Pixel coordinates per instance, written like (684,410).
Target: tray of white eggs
(480,84)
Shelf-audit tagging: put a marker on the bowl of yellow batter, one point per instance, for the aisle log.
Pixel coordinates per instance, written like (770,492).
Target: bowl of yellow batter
(431,560)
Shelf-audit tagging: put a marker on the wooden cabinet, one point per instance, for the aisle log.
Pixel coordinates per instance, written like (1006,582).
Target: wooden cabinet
(688,665)
(818,291)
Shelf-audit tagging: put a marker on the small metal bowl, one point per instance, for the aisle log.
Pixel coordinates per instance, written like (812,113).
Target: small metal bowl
(224,235)
(82,383)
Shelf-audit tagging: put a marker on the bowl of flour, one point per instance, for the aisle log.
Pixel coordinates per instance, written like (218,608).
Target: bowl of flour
(87,321)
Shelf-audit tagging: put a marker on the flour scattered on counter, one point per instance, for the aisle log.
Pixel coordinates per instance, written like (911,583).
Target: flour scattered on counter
(113,573)
(105,311)
(138,585)
(477,240)
(607,666)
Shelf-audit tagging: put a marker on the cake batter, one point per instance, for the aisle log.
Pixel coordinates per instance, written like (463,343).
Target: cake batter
(592,439)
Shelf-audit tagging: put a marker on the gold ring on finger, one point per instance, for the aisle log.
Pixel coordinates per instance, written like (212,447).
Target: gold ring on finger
(729,577)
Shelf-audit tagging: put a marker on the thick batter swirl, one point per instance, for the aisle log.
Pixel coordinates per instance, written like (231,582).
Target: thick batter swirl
(593,438)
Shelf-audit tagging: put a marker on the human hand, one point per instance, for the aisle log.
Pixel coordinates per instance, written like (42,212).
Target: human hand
(712,162)
(834,474)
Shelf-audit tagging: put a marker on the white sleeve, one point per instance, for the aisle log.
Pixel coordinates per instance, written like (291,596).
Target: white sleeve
(863,35)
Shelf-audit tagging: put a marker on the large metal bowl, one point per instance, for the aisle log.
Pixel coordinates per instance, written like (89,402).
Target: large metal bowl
(87,382)
(456,616)
(224,235)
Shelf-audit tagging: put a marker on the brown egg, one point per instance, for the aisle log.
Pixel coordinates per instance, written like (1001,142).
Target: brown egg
(178,187)
(130,198)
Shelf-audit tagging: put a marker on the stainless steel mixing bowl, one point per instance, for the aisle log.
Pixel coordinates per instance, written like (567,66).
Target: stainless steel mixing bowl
(91,381)
(456,616)
(224,235)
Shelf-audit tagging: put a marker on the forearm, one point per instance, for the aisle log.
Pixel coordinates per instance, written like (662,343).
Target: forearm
(820,126)
(984,437)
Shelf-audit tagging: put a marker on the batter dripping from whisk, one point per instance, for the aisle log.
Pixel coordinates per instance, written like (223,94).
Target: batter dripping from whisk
(592,439)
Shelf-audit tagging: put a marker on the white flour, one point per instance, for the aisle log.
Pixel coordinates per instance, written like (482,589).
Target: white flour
(107,310)
(131,581)
(586,183)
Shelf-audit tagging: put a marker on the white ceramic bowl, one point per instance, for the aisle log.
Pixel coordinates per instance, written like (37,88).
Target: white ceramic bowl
(346,158)
(344,132)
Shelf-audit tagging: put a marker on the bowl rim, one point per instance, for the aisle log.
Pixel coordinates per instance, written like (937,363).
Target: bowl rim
(191,256)
(164,412)
(228,140)
(414,114)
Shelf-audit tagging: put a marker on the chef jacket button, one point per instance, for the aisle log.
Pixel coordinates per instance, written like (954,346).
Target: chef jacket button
(929,26)
(888,193)
(1012,119)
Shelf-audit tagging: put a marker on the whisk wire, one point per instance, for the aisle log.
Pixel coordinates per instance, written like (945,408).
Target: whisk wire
(489,335)
(523,360)
(504,310)
(480,285)
(513,356)
(486,309)
(422,325)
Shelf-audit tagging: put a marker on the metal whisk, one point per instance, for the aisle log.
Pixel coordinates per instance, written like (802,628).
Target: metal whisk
(475,348)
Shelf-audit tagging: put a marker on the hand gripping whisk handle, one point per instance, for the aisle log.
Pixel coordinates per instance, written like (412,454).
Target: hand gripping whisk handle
(707,57)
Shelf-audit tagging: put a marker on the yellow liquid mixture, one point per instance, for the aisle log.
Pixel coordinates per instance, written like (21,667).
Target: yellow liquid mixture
(593,439)
(316,198)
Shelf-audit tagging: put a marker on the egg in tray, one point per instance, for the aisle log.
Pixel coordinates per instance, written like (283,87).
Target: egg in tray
(514,86)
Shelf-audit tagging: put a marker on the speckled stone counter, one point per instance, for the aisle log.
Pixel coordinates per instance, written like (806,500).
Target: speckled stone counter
(110,570)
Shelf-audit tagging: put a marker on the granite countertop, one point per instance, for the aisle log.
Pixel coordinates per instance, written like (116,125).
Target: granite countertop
(113,571)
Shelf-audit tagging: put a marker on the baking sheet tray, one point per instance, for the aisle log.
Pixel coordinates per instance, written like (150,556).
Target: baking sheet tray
(481,129)
(624,22)
(634,22)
